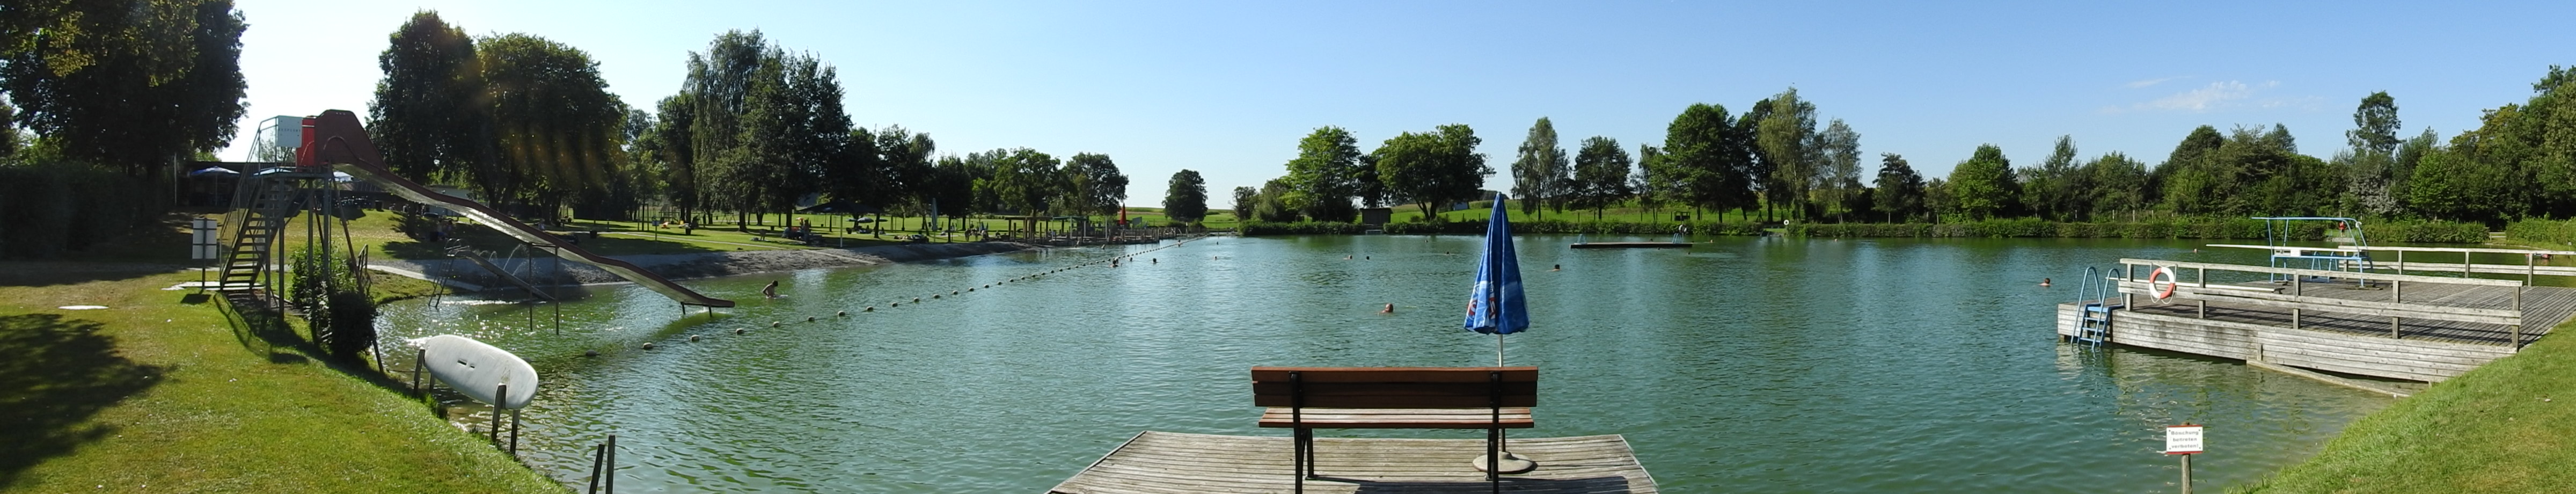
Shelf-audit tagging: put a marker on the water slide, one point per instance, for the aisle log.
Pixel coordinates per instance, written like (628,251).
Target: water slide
(336,138)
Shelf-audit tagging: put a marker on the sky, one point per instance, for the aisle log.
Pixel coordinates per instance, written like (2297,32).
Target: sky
(1227,88)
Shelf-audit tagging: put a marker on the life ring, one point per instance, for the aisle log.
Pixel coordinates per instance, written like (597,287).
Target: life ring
(2170,283)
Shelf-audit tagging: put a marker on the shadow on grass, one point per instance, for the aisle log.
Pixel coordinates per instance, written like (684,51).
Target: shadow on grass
(267,333)
(59,372)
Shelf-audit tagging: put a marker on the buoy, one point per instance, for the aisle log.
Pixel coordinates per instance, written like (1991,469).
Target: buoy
(2170,284)
(934,295)
(739,330)
(970,289)
(916,300)
(809,318)
(893,305)
(773,324)
(871,308)
(590,353)
(693,337)
(648,345)
(841,313)
(952,292)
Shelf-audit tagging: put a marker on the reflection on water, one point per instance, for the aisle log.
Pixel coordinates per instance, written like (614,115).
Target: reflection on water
(1741,365)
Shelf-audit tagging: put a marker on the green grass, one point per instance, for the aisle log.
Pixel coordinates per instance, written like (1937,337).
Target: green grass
(2507,427)
(164,392)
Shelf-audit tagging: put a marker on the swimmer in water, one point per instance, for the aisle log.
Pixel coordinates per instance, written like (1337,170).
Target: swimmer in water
(1390,309)
(1559,267)
(2043,282)
(770,291)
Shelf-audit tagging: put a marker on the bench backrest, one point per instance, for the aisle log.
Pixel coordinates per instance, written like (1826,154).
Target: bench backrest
(1394,387)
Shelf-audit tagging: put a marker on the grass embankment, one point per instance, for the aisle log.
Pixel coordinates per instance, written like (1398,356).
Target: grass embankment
(2507,427)
(164,392)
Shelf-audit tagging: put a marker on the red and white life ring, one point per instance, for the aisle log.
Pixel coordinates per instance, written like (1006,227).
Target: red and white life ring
(2168,290)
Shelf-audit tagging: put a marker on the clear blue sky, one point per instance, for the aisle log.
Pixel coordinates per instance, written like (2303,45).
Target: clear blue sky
(1227,88)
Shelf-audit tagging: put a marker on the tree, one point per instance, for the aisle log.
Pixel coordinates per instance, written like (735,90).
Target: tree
(2114,184)
(2374,124)
(2055,190)
(2181,182)
(1027,181)
(1327,173)
(132,84)
(1185,200)
(1900,188)
(556,125)
(1245,198)
(1539,174)
(1433,168)
(1601,171)
(1983,185)
(904,172)
(424,119)
(1096,186)
(1703,162)
(1785,138)
(1840,147)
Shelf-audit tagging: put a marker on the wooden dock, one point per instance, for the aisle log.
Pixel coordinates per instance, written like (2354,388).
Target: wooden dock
(2400,326)
(1179,463)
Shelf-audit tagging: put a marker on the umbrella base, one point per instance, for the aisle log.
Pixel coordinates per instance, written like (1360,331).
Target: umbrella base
(1511,464)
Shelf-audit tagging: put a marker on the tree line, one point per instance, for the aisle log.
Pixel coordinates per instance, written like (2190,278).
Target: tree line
(755,129)
(1775,161)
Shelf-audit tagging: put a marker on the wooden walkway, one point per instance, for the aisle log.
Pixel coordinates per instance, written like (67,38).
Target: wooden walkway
(1179,463)
(2543,308)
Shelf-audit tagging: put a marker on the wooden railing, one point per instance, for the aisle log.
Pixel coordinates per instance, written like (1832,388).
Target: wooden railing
(2529,268)
(2132,282)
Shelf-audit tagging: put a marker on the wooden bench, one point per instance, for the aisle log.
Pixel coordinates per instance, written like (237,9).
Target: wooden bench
(1308,398)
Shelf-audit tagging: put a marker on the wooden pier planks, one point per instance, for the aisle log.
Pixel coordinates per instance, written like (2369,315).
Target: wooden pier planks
(1172,462)
(2429,350)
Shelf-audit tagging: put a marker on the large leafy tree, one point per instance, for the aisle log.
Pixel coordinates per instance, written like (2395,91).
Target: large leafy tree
(1983,186)
(1326,173)
(2184,181)
(1786,138)
(2375,124)
(131,84)
(2114,184)
(2054,189)
(1185,197)
(1900,188)
(1601,170)
(1703,162)
(1028,182)
(1540,173)
(1433,168)
(1094,184)
(556,129)
(427,116)
(1245,199)
(903,171)
(669,144)
(1839,145)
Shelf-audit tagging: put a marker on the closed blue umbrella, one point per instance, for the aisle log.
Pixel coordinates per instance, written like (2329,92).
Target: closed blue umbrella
(1496,306)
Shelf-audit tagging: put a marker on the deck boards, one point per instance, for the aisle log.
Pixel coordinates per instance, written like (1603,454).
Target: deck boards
(2425,349)
(1172,462)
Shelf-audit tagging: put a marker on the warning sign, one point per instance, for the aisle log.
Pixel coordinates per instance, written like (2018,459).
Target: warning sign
(2182,439)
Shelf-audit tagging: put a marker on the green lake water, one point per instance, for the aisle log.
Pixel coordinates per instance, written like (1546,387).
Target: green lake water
(1739,365)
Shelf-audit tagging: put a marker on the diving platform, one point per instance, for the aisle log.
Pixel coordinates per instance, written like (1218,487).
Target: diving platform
(1181,463)
(2398,326)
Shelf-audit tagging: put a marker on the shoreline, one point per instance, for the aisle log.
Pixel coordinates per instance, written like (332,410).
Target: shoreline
(465,276)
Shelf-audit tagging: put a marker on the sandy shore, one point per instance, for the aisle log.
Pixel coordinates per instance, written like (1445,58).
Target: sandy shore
(465,275)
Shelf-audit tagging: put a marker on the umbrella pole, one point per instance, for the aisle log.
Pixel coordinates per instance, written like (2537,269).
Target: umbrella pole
(1498,349)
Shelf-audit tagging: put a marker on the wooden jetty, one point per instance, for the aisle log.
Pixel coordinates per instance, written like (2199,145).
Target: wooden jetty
(1179,463)
(1631,245)
(2412,327)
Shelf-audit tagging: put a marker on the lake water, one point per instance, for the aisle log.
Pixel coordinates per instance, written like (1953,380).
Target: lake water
(1739,365)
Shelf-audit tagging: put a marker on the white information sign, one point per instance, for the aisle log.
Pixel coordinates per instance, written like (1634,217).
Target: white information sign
(2182,439)
(201,241)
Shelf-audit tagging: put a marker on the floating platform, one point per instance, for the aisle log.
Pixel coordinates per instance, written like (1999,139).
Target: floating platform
(1180,463)
(2416,328)
(1632,245)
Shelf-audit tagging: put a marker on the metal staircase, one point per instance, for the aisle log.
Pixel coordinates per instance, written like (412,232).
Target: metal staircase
(2093,322)
(262,203)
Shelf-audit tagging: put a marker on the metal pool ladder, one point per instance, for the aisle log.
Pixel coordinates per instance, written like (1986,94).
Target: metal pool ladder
(2093,323)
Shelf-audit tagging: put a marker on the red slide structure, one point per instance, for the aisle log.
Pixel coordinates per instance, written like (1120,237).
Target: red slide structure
(337,140)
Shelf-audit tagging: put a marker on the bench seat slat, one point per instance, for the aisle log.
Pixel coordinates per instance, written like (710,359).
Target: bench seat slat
(1399,418)
(1395,374)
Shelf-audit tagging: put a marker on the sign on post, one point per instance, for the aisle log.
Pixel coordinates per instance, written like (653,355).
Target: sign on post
(2182,439)
(201,241)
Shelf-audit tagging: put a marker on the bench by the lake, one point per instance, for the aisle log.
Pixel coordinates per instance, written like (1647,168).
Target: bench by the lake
(1307,398)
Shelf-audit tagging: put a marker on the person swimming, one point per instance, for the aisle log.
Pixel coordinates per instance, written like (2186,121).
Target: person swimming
(2043,282)
(1559,267)
(770,291)
(1390,309)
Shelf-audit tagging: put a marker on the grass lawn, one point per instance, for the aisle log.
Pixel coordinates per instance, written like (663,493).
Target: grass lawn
(165,392)
(2507,427)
